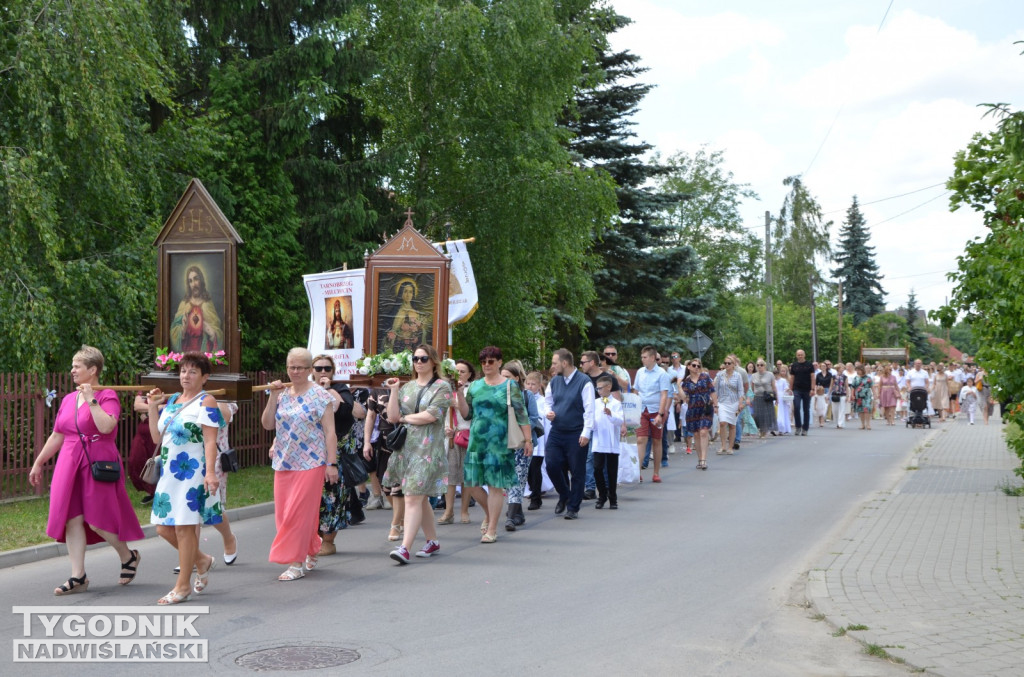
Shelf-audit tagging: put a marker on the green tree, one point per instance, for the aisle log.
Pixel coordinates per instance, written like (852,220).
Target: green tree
(862,292)
(295,174)
(885,330)
(471,100)
(988,177)
(93,154)
(641,256)
(799,240)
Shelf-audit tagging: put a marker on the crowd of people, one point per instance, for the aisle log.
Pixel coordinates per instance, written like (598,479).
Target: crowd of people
(505,436)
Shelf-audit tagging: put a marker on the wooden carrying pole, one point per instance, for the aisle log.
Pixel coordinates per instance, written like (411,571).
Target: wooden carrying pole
(269,386)
(146,389)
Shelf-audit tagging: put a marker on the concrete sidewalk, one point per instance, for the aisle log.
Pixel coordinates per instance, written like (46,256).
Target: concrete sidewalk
(935,568)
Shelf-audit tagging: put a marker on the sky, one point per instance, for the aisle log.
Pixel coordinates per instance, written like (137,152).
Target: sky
(871,98)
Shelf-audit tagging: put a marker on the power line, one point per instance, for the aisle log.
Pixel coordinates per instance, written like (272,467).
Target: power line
(891,197)
(943,194)
(843,105)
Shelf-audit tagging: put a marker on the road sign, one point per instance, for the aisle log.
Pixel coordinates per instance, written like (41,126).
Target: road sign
(699,344)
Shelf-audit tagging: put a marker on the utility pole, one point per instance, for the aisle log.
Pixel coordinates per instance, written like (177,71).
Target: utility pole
(814,328)
(840,320)
(769,320)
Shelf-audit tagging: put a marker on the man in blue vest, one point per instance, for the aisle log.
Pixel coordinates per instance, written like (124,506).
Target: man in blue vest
(570,399)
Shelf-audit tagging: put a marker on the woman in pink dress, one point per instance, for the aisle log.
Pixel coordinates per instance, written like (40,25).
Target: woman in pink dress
(305,455)
(83,510)
(888,394)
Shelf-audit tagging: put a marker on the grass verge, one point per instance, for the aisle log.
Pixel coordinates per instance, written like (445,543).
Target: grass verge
(23,522)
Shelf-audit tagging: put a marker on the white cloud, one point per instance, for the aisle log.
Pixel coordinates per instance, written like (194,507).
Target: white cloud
(677,47)
(914,56)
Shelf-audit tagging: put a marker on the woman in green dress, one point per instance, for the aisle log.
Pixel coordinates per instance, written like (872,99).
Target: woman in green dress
(862,397)
(489,461)
(420,467)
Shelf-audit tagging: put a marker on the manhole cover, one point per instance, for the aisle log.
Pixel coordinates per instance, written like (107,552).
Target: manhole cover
(297,658)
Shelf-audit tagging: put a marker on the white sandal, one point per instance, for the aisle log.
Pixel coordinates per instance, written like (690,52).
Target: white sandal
(292,573)
(396,532)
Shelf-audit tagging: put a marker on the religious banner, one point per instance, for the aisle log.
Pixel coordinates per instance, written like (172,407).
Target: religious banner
(336,310)
(462,295)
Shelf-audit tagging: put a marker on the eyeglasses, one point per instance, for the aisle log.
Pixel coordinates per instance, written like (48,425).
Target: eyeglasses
(584,361)
(421,358)
(323,368)
(299,368)
(490,360)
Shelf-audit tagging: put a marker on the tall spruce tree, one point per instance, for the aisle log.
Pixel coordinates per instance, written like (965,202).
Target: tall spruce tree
(862,292)
(919,345)
(641,258)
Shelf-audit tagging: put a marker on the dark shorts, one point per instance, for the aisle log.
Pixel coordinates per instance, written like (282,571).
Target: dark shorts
(647,427)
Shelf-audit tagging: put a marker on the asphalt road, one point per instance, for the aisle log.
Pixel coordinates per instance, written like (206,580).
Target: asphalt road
(700,575)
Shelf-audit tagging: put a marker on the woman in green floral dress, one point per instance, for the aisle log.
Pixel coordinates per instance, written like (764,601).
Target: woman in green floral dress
(489,461)
(862,397)
(420,467)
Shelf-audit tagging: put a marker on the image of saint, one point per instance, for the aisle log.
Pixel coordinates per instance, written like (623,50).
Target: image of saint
(339,332)
(196,324)
(410,327)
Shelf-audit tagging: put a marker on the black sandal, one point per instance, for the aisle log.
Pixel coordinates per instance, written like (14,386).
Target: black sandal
(72,586)
(129,568)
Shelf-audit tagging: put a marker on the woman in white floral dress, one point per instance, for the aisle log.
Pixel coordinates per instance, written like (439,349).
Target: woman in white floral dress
(186,494)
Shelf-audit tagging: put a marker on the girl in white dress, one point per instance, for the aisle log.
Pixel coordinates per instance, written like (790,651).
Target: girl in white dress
(785,401)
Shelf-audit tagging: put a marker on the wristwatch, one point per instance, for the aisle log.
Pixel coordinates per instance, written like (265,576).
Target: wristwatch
(333,465)
(94,402)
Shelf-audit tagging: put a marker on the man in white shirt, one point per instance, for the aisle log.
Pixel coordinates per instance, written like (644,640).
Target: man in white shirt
(918,377)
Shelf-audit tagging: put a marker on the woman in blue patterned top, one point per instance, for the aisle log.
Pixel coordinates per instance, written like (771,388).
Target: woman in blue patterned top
(186,494)
(701,400)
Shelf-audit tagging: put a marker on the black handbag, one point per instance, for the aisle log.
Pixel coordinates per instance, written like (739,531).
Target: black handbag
(836,397)
(768,397)
(102,471)
(396,438)
(229,460)
(353,470)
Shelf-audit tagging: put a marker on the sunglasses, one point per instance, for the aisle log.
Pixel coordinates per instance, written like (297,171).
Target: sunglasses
(760,364)
(694,365)
(421,358)
(610,354)
(727,362)
(323,368)
(490,360)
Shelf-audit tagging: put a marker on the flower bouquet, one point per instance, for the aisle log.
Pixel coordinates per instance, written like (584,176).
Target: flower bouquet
(168,360)
(396,364)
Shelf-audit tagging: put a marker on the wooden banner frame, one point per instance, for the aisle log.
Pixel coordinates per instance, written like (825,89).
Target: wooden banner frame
(398,277)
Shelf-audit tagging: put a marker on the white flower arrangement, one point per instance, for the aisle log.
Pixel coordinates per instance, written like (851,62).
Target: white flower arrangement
(397,364)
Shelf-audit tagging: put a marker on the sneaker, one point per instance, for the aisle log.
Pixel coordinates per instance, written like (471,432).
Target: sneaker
(375,502)
(400,555)
(147,499)
(426,551)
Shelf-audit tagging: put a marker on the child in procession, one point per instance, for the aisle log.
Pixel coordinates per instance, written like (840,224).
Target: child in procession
(605,443)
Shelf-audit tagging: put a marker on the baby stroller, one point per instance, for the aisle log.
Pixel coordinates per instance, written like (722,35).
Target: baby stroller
(918,404)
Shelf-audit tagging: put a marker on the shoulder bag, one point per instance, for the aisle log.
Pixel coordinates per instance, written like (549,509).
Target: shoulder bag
(516,438)
(102,471)
(353,470)
(396,438)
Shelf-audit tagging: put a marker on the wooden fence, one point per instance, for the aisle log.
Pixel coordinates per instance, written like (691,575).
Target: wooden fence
(26,421)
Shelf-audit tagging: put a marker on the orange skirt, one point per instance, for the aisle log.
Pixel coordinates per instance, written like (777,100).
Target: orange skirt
(297,514)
